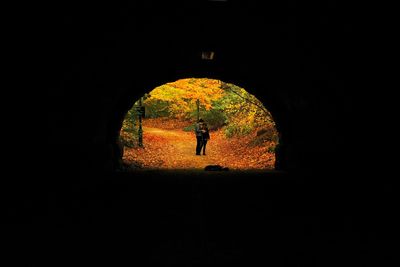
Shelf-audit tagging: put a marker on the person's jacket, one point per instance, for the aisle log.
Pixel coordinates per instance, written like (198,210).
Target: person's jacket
(206,134)
(197,130)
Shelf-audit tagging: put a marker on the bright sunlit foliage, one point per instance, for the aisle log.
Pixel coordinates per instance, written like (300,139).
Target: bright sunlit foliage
(182,95)
(243,132)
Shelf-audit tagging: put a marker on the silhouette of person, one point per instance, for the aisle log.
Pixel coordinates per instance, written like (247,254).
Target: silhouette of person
(199,135)
(205,137)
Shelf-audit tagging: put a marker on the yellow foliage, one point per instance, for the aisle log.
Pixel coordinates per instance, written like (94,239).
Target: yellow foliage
(183,94)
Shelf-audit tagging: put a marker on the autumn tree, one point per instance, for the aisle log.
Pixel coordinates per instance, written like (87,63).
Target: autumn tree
(222,105)
(244,111)
(179,98)
(129,131)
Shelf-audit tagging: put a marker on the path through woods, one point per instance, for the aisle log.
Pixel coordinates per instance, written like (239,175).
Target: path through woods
(175,149)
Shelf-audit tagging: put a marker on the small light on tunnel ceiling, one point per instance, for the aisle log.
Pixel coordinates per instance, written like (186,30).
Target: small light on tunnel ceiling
(207,55)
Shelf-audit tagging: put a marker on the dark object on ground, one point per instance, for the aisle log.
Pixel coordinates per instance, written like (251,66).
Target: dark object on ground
(130,166)
(216,168)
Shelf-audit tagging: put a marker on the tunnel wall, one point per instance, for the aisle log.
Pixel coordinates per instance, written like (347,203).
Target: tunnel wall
(297,65)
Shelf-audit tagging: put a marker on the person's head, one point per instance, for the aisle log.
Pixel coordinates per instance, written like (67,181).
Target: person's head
(200,120)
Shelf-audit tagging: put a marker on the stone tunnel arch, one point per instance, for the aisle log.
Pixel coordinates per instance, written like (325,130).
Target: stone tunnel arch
(309,90)
(139,88)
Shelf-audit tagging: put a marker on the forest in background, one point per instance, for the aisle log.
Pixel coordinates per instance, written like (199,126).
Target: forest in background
(233,114)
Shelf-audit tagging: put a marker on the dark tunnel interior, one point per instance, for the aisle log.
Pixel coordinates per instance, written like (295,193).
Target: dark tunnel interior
(272,54)
(304,61)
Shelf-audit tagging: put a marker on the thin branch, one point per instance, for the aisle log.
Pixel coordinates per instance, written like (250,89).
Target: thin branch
(248,100)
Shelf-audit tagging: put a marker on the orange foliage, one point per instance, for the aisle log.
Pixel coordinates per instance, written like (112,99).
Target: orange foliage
(166,123)
(183,94)
(175,149)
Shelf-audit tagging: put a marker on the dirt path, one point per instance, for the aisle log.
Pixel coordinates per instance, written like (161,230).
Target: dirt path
(175,149)
(180,149)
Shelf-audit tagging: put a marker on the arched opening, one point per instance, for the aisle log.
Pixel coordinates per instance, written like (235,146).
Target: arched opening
(161,130)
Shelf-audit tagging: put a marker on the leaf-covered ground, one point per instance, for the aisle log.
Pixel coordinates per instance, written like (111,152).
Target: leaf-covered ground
(165,147)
